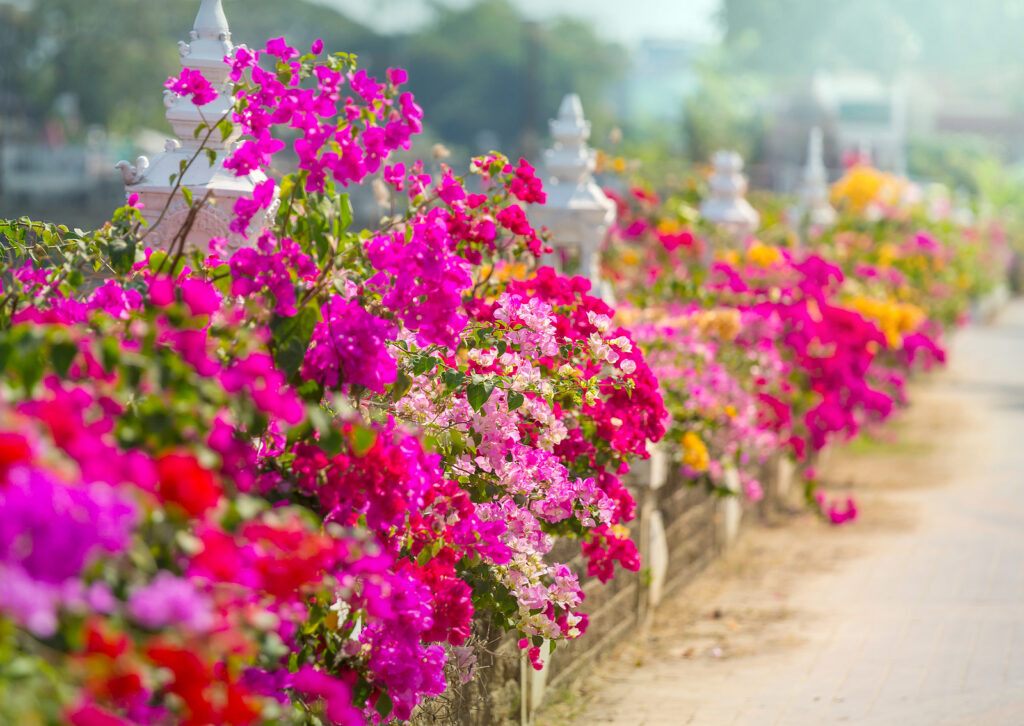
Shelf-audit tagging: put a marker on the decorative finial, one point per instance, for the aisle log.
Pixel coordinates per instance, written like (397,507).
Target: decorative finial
(814,187)
(577,212)
(154,181)
(211,22)
(571,111)
(727,207)
(210,44)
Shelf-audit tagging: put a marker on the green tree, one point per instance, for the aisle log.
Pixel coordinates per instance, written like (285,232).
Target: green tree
(114,55)
(484,69)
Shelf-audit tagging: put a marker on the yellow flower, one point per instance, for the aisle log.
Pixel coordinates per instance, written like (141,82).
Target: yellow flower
(669,226)
(862,185)
(619,164)
(695,453)
(859,186)
(504,271)
(895,319)
(730,411)
(886,254)
(763,255)
(630,257)
(731,257)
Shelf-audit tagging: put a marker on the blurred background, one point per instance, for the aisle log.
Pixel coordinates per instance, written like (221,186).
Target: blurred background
(931,89)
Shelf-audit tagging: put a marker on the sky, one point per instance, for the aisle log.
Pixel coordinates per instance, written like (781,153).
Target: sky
(626,22)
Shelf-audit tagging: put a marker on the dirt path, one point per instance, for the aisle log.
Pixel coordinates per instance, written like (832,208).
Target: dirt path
(913,615)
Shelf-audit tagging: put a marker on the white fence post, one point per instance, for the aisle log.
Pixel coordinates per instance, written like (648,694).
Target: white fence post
(650,475)
(726,206)
(577,212)
(210,42)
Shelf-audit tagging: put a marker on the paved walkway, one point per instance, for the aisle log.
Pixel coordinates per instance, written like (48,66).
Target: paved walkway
(922,626)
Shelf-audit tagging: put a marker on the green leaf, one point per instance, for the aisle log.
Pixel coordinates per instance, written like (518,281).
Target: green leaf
(225,127)
(156,260)
(109,353)
(323,245)
(187,193)
(453,378)
(331,441)
(384,705)
(401,386)
(478,393)
(61,355)
(362,691)
(424,365)
(6,349)
(456,443)
(515,400)
(344,211)
(211,157)
(291,336)
(122,254)
(311,391)
(363,440)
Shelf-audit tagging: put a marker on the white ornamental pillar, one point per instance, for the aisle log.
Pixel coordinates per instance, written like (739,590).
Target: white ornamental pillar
(814,204)
(727,207)
(155,181)
(577,212)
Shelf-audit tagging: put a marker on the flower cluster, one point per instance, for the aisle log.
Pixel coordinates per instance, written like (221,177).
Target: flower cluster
(766,346)
(281,484)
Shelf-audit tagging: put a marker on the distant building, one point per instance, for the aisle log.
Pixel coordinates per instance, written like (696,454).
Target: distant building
(870,116)
(858,114)
(662,74)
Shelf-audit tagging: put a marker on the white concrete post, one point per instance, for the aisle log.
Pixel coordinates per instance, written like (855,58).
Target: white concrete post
(813,193)
(726,207)
(577,212)
(651,475)
(730,508)
(152,180)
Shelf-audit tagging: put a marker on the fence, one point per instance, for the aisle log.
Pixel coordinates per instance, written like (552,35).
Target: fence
(680,529)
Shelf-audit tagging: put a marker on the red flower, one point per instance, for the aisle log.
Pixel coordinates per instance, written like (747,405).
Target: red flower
(14,449)
(88,714)
(210,694)
(185,483)
(288,558)
(101,640)
(113,677)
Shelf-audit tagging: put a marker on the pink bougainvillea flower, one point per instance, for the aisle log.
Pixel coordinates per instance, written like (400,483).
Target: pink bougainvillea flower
(193,84)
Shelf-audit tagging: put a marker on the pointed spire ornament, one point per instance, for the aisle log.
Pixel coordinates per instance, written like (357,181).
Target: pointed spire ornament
(155,180)
(577,212)
(814,194)
(727,207)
